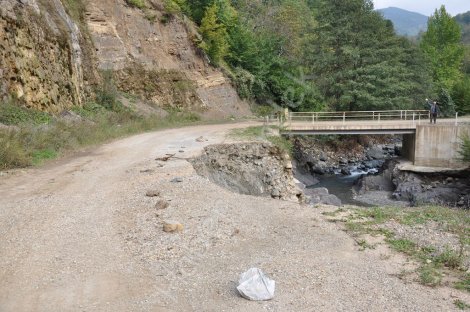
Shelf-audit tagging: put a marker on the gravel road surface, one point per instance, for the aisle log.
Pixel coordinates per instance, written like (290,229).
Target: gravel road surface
(80,234)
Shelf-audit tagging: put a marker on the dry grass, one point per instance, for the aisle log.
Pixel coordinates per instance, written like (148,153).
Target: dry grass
(28,143)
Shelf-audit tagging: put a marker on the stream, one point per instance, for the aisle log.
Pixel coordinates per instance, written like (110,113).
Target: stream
(341,185)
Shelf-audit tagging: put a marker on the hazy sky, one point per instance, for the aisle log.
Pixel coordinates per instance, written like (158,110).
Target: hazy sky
(426,7)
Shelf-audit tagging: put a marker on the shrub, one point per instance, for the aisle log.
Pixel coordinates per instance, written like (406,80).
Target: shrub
(107,93)
(140,4)
(12,152)
(450,259)
(12,114)
(465,148)
(430,276)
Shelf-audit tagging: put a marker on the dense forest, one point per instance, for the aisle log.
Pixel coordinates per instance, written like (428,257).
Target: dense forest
(335,55)
(464,21)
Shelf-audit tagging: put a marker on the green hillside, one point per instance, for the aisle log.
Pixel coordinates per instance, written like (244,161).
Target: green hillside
(464,20)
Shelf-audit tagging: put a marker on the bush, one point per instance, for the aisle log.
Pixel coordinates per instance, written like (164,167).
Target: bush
(107,93)
(140,4)
(12,152)
(461,95)
(12,114)
(176,6)
(465,148)
(244,81)
(430,276)
(282,143)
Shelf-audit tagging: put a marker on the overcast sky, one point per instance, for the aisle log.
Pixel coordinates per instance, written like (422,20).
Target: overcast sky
(426,7)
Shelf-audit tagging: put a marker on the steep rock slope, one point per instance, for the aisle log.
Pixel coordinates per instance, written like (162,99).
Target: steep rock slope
(50,63)
(158,60)
(42,55)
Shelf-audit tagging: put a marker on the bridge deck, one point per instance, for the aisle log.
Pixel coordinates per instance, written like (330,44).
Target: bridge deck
(392,122)
(352,127)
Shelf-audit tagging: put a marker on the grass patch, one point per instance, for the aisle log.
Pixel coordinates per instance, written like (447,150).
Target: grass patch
(461,305)
(464,283)
(402,245)
(333,213)
(13,114)
(379,215)
(260,133)
(450,259)
(363,244)
(282,143)
(431,261)
(28,144)
(430,275)
(39,156)
(249,133)
(76,9)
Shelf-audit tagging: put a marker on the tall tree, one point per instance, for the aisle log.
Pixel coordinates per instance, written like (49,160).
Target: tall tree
(358,62)
(215,35)
(441,44)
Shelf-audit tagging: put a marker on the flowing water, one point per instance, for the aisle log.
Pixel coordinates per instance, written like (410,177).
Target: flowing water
(342,186)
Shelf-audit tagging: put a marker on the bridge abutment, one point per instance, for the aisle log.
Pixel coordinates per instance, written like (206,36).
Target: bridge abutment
(437,145)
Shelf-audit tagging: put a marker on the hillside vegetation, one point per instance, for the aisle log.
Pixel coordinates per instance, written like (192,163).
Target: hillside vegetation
(464,21)
(304,55)
(335,55)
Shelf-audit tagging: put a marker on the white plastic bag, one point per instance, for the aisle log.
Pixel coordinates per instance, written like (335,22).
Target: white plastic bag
(254,285)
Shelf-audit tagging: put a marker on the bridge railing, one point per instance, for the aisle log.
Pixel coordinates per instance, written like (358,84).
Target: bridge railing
(413,116)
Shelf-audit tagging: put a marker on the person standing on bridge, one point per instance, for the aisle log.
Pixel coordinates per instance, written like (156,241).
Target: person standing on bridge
(433,110)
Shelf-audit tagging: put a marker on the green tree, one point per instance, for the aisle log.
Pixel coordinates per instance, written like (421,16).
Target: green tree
(357,60)
(461,95)
(176,6)
(214,34)
(441,44)
(446,103)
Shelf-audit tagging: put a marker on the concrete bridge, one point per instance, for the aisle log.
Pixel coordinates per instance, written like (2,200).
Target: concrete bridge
(424,144)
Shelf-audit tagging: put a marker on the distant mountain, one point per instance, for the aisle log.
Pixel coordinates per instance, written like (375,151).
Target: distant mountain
(464,20)
(406,23)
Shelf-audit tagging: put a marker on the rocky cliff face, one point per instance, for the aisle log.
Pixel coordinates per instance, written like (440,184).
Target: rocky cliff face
(49,62)
(41,55)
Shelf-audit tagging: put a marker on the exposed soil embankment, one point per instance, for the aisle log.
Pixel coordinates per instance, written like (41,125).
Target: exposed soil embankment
(259,169)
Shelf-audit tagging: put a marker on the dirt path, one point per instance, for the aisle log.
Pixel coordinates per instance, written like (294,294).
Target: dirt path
(80,235)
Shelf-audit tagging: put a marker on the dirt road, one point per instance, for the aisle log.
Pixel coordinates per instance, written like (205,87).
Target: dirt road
(80,235)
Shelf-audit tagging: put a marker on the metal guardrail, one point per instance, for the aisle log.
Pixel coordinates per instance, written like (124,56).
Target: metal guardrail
(378,116)
(403,116)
